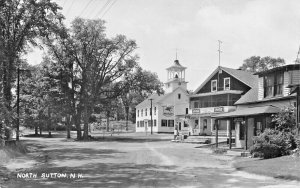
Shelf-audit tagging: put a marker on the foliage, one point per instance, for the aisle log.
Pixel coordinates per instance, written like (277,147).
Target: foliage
(285,120)
(21,23)
(92,62)
(257,64)
(273,143)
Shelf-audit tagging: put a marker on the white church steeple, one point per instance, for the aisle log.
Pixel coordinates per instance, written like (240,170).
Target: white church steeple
(176,77)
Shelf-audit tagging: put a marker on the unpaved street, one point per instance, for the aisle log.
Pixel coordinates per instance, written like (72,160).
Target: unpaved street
(129,162)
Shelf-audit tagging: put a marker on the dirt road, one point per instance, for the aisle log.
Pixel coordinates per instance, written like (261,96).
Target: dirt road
(127,162)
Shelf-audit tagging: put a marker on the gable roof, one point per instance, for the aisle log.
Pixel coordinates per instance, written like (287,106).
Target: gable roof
(157,98)
(245,77)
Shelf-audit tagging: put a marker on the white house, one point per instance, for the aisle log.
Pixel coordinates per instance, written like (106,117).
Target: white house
(168,109)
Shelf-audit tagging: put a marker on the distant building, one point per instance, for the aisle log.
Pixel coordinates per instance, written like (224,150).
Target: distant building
(254,109)
(168,108)
(217,95)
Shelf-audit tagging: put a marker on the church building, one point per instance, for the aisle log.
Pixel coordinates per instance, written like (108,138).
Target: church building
(165,110)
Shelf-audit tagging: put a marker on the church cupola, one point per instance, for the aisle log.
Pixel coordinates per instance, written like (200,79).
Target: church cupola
(175,77)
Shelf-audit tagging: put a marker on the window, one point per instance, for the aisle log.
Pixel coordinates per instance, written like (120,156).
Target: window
(154,110)
(154,123)
(214,85)
(185,124)
(164,123)
(278,84)
(186,110)
(226,83)
(149,123)
(138,113)
(196,104)
(170,123)
(142,113)
(273,85)
(146,112)
(179,96)
(141,123)
(137,123)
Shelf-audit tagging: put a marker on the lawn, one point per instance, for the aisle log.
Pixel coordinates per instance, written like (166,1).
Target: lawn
(286,167)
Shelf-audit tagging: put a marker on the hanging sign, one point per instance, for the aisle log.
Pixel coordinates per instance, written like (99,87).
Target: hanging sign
(196,111)
(218,109)
(168,111)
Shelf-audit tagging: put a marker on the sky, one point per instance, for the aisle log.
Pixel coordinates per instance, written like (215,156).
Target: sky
(193,28)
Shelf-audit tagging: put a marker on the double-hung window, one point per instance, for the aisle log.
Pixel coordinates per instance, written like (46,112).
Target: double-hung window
(273,85)
(226,83)
(214,85)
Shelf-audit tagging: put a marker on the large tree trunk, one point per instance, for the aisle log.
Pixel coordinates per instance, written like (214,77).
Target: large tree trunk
(36,130)
(77,119)
(68,126)
(86,123)
(49,123)
(127,115)
(107,120)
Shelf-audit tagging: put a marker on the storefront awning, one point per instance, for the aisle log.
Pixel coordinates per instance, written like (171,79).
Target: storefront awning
(251,111)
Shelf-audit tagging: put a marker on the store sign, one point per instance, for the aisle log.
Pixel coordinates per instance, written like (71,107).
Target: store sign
(238,119)
(218,109)
(196,111)
(168,111)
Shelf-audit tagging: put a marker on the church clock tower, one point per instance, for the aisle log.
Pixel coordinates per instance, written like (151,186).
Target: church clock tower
(176,77)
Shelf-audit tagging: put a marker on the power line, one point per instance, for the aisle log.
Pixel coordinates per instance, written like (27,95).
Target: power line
(109,8)
(103,8)
(85,7)
(70,8)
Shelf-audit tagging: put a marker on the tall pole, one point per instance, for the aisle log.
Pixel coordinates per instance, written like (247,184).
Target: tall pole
(18,105)
(219,52)
(151,116)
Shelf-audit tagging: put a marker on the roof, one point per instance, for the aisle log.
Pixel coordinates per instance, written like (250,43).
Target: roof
(250,112)
(156,98)
(176,65)
(281,68)
(245,77)
(250,96)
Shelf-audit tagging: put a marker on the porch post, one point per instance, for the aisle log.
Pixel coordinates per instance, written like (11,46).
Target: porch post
(246,134)
(230,132)
(216,125)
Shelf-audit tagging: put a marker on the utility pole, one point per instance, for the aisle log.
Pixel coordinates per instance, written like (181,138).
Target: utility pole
(151,116)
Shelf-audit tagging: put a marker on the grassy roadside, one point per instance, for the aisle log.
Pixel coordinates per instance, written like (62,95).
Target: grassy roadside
(286,167)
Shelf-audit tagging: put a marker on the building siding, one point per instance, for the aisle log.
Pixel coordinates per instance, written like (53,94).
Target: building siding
(286,82)
(260,88)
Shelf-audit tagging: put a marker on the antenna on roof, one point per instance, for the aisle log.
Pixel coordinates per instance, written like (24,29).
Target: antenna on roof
(219,52)
(297,58)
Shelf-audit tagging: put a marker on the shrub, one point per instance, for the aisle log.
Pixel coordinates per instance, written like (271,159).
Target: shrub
(273,143)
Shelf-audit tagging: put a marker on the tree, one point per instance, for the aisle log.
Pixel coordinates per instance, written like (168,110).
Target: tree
(95,60)
(257,64)
(21,23)
(137,87)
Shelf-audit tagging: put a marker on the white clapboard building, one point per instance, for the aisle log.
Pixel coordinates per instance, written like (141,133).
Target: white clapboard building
(168,110)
